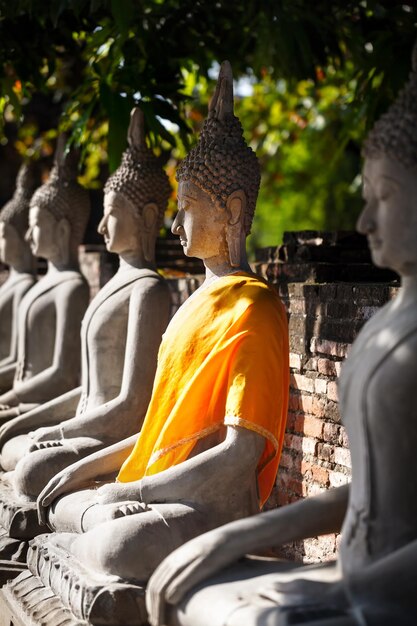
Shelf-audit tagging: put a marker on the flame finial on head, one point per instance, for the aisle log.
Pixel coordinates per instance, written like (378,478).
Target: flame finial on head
(395,133)
(140,177)
(16,210)
(222,162)
(62,195)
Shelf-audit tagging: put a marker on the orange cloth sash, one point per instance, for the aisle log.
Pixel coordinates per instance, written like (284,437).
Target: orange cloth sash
(223,361)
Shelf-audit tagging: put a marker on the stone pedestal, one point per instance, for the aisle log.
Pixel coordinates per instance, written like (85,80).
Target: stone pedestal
(57,590)
(18,524)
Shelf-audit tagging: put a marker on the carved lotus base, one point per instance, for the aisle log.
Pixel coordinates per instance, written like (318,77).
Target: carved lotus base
(26,602)
(57,589)
(18,518)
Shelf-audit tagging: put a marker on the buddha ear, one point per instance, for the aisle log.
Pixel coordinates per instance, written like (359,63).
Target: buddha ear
(150,215)
(150,221)
(235,207)
(64,229)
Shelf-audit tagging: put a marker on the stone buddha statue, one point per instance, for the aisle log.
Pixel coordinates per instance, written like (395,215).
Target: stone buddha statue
(50,314)
(120,337)
(373,581)
(15,252)
(210,443)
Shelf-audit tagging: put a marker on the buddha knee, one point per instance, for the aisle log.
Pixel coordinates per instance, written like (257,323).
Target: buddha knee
(26,477)
(106,549)
(12,451)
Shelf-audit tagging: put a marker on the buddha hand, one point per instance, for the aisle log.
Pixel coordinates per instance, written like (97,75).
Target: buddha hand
(113,493)
(69,479)
(186,567)
(51,435)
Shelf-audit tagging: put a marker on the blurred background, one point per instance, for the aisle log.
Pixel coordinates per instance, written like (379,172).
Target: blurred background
(311,78)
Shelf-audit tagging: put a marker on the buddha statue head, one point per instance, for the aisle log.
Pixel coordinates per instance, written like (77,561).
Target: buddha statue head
(59,210)
(389,218)
(221,173)
(135,196)
(14,217)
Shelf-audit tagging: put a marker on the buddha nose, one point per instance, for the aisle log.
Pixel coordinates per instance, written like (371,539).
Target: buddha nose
(101,228)
(176,224)
(28,234)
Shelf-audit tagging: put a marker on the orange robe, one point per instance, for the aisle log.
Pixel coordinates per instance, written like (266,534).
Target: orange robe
(223,361)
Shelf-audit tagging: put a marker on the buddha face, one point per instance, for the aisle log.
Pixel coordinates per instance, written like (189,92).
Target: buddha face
(389,218)
(10,244)
(120,225)
(43,234)
(200,223)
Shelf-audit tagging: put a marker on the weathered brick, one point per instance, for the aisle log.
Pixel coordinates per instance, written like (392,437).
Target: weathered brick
(291,421)
(320,385)
(320,475)
(313,427)
(332,411)
(331,433)
(332,391)
(286,460)
(311,364)
(337,479)
(331,348)
(309,445)
(306,403)
(319,406)
(321,548)
(303,383)
(295,361)
(325,452)
(305,467)
(342,457)
(293,442)
(326,367)
(299,424)
(343,437)
(313,489)
(293,401)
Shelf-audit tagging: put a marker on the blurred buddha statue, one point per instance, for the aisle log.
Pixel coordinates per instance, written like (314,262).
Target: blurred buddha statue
(16,253)
(121,333)
(373,581)
(209,446)
(51,312)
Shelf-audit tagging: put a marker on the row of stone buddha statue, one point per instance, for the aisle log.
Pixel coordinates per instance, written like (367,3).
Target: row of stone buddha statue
(157,465)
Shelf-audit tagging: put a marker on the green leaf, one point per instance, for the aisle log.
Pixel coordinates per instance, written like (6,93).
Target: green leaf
(123,11)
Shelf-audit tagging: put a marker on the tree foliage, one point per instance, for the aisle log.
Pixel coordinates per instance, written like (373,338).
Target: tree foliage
(320,72)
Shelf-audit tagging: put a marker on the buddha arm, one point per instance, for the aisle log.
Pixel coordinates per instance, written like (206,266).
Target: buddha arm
(70,303)
(310,517)
(235,459)
(96,466)
(210,552)
(318,515)
(8,363)
(7,372)
(50,412)
(122,416)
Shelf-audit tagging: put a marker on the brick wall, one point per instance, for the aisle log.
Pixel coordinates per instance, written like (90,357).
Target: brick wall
(324,319)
